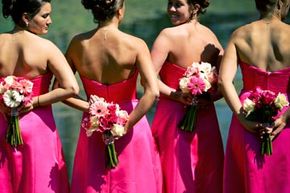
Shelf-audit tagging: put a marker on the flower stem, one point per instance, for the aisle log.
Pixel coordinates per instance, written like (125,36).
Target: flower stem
(189,120)
(266,145)
(13,135)
(112,161)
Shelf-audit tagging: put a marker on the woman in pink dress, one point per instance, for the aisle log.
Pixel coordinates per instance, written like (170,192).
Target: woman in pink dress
(191,161)
(262,49)
(38,164)
(109,62)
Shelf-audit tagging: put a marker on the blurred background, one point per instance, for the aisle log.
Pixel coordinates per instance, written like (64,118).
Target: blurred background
(144,19)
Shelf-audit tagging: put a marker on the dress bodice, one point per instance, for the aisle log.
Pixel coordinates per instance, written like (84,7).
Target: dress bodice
(253,77)
(117,92)
(171,73)
(41,84)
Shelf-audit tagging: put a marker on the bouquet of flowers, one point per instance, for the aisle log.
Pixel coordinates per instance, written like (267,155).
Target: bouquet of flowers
(262,106)
(14,92)
(108,119)
(198,79)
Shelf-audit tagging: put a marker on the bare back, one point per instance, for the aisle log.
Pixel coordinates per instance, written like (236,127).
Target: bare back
(23,54)
(265,45)
(193,43)
(107,56)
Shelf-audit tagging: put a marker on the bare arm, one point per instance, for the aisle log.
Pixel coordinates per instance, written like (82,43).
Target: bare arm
(215,52)
(75,101)
(149,82)
(159,54)
(227,72)
(58,65)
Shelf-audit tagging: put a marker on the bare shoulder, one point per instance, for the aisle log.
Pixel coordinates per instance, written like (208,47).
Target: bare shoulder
(82,37)
(180,31)
(4,37)
(133,41)
(280,37)
(42,45)
(78,42)
(209,36)
(170,31)
(206,30)
(282,30)
(242,32)
(168,36)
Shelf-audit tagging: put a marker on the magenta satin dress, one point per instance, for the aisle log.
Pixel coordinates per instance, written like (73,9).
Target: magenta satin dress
(38,165)
(191,162)
(246,171)
(138,170)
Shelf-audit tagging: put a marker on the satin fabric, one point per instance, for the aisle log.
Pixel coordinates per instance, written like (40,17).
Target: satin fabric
(191,162)
(138,170)
(38,165)
(246,171)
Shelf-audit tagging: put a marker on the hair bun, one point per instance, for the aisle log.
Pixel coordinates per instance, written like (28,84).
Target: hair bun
(203,3)
(90,4)
(102,9)
(7,7)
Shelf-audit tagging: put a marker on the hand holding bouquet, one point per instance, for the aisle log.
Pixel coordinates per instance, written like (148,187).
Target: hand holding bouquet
(14,92)
(198,79)
(262,106)
(108,119)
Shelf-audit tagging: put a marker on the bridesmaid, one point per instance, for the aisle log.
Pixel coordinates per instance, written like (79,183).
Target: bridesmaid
(38,165)
(108,62)
(191,162)
(262,49)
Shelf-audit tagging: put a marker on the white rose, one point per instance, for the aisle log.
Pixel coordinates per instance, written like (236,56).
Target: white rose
(117,130)
(207,85)
(183,82)
(9,80)
(195,65)
(205,67)
(122,114)
(12,98)
(248,106)
(281,101)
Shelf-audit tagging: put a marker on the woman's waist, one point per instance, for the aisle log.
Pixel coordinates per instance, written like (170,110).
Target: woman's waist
(166,99)
(127,105)
(116,97)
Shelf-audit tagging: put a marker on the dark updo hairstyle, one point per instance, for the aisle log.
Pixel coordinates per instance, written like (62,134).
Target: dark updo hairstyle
(103,10)
(16,9)
(202,3)
(265,5)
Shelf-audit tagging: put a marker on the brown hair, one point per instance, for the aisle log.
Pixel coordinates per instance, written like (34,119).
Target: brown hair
(103,10)
(16,8)
(202,3)
(265,5)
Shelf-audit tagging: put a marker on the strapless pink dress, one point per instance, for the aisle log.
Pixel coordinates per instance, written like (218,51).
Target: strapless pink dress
(246,171)
(38,165)
(191,162)
(138,170)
